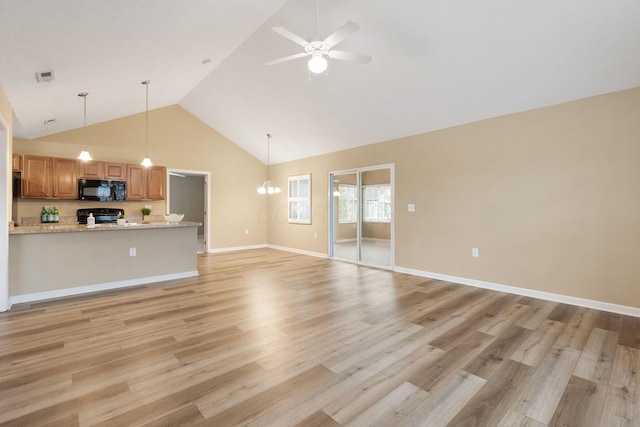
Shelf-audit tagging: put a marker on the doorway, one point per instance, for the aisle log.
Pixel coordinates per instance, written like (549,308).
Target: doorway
(361,227)
(187,194)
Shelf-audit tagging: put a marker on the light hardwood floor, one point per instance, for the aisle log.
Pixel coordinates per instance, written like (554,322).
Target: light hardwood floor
(266,337)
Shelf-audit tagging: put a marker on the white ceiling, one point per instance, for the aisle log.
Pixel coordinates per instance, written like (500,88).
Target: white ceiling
(436,64)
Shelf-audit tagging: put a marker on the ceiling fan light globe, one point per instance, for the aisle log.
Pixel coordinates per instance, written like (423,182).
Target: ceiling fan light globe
(317,64)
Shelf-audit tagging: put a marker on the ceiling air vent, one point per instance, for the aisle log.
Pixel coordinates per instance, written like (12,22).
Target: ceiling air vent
(45,76)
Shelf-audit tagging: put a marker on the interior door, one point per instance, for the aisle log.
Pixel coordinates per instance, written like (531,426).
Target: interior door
(344,216)
(376,218)
(361,217)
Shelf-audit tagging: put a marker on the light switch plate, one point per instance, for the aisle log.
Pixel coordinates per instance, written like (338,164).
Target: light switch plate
(411,207)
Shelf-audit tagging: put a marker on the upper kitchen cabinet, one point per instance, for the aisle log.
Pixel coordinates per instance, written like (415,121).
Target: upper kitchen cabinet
(146,183)
(102,170)
(91,170)
(136,182)
(64,178)
(115,171)
(156,182)
(36,177)
(16,162)
(49,177)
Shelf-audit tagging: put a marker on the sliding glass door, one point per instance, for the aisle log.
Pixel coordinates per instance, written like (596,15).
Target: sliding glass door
(361,217)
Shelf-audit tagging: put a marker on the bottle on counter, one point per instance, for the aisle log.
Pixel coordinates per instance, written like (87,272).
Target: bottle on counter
(44,215)
(56,215)
(91,221)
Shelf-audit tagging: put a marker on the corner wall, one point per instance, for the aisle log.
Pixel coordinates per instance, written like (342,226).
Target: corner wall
(551,198)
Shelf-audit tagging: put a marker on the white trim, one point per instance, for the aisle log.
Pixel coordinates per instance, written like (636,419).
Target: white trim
(236,248)
(298,251)
(565,299)
(18,299)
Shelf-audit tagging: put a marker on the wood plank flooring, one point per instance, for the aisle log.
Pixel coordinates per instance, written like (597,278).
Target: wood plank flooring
(271,338)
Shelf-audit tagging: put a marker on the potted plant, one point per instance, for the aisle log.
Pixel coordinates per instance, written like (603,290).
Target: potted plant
(120,219)
(145,214)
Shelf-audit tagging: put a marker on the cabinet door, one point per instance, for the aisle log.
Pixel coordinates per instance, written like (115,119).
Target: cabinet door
(157,179)
(91,170)
(115,171)
(136,182)
(16,162)
(65,178)
(36,177)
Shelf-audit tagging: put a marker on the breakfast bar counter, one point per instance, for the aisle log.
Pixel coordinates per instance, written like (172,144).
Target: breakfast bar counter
(50,261)
(73,228)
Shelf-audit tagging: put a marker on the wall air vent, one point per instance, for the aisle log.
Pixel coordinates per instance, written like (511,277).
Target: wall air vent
(50,121)
(45,76)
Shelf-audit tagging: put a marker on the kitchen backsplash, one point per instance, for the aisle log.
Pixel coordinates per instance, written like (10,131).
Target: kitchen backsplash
(27,211)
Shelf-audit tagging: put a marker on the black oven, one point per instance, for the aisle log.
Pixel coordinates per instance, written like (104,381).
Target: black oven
(102,191)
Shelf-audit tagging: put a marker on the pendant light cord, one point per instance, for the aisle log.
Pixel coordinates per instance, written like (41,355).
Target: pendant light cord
(146,116)
(268,156)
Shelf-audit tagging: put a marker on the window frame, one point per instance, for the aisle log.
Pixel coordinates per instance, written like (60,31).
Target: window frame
(298,200)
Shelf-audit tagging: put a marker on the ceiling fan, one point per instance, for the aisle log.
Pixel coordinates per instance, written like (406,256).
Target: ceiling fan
(318,49)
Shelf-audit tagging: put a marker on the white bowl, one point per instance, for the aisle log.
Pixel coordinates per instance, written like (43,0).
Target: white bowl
(173,217)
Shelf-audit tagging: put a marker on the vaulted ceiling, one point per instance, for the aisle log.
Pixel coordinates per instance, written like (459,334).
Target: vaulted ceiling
(435,64)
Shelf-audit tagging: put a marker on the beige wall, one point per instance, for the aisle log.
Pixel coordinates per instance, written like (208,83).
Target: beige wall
(178,140)
(551,198)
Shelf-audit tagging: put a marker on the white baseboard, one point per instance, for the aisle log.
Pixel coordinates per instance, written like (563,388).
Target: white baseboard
(565,299)
(298,251)
(39,296)
(235,248)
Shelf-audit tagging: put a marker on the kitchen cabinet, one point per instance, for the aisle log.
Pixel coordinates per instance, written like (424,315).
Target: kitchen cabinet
(156,182)
(16,162)
(49,177)
(102,170)
(115,171)
(91,170)
(64,177)
(146,183)
(136,182)
(36,177)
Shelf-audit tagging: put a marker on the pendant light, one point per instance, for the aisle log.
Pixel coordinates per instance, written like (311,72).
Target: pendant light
(268,187)
(84,154)
(146,162)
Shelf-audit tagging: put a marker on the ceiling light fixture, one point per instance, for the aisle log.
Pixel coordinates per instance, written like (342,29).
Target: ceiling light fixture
(84,154)
(268,187)
(317,64)
(146,162)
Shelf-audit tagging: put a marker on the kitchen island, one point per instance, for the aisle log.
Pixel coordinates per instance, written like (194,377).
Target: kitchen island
(50,261)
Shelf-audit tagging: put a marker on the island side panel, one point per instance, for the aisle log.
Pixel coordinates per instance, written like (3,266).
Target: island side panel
(57,261)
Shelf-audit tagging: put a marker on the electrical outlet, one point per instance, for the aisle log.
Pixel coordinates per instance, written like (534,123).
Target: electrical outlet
(132,251)
(315,235)
(475,252)
(246,231)
(411,207)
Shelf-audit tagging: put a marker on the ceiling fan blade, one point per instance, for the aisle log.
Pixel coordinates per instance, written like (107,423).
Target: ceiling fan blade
(348,56)
(288,34)
(340,34)
(287,58)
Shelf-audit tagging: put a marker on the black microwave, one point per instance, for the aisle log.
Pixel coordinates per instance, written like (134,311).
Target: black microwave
(100,190)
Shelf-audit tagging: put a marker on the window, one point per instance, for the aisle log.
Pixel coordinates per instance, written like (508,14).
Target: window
(377,203)
(300,199)
(348,204)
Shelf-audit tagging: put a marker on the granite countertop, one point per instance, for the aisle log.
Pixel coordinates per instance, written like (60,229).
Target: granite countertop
(73,228)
